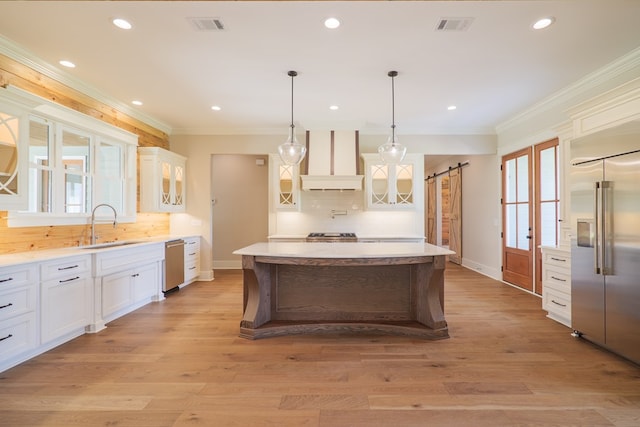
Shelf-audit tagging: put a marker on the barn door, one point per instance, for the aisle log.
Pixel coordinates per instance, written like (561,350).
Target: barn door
(455,214)
(431,211)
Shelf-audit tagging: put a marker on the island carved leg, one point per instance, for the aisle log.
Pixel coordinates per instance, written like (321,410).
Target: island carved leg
(256,295)
(429,287)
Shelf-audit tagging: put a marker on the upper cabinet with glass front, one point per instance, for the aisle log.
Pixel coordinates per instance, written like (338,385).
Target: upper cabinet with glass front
(13,175)
(285,184)
(56,163)
(393,186)
(162,180)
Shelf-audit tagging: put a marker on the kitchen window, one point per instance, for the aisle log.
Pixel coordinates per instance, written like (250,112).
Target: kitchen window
(74,163)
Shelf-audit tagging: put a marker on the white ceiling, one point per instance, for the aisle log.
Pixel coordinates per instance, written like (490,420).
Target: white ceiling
(493,71)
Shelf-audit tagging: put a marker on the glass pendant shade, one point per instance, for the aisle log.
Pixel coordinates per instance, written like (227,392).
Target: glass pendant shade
(392,151)
(292,152)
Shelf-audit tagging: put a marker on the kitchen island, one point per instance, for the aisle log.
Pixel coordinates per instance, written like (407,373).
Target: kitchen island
(304,287)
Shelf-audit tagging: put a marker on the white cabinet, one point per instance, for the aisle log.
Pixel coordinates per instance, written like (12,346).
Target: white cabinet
(18,303)
(556,284)
(65,297)
(394,186)
(127,290)
(191,259)
(13,154)
(285,184)
(126,279)
(162,180)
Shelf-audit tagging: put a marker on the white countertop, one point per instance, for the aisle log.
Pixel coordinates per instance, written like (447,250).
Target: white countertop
(7,260)
(342,249)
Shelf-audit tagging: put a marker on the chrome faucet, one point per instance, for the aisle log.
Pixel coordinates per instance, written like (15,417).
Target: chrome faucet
(93,220)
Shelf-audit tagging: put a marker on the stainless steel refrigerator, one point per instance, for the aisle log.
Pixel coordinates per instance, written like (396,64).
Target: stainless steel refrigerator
(605,242)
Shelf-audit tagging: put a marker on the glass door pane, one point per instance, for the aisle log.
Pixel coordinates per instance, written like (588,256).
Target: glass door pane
(76,163)
(379,184)
(40,166)
(9,139)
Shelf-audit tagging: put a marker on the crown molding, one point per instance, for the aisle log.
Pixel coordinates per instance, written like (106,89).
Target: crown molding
(591,81)
(17,53)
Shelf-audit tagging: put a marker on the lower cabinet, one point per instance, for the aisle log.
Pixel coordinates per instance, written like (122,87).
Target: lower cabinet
(125,291)
(65,307)
(556,284)
(65,297)
(191,259)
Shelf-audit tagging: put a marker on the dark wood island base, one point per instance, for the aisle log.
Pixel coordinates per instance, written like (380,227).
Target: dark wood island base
(390,295)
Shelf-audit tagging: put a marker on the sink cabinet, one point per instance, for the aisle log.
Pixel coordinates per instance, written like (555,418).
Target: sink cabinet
(162,180)
(65,298)
(126,279)
(125,291)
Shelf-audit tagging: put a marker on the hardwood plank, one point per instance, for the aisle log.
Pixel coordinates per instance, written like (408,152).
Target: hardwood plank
(180,362)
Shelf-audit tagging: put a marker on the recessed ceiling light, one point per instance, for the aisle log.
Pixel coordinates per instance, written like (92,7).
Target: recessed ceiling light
(451,107)
(332,23)
(122,23)
(67,64)
(215,108)
(136,102)
(333,107)
(543,23)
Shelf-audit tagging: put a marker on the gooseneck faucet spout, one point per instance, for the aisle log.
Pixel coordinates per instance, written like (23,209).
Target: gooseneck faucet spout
(93,220)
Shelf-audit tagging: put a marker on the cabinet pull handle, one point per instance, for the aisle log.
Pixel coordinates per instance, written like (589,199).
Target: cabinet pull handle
(6,280)
(68,268)
(192,268)
(69,280)
(558,259)
(558,279)
(6,338)
(557,303)
(135,275)
(192,254)
(6,305)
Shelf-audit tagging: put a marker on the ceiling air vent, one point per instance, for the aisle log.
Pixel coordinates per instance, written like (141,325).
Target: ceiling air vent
(454,24)
(206,24)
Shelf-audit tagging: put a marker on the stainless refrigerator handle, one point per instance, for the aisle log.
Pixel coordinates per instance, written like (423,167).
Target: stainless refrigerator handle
(596,217)
(605,219)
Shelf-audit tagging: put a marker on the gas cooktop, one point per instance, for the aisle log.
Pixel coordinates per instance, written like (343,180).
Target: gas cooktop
(332,237)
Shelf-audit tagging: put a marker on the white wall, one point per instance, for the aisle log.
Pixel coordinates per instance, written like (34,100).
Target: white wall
(481,250)
(199,148)
(481,185)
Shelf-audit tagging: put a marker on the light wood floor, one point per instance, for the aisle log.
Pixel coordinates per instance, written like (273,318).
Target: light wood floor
(180,363)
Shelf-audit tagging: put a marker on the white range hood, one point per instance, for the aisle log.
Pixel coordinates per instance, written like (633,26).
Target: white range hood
(332,161)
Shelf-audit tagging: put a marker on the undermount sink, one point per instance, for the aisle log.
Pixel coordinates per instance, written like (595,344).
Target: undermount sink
(109,245)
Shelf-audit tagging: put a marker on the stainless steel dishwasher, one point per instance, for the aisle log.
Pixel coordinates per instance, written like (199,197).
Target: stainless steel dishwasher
(173,265)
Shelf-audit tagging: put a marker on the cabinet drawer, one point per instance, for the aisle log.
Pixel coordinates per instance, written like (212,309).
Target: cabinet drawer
(17,300)
(17,335)
(558,303)
(191,270)
(557,258)
(191,247)
(557,278)
(11,277)
(65,267)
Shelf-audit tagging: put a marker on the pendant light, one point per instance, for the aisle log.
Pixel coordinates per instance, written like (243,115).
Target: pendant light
(292,152)
(392,151)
